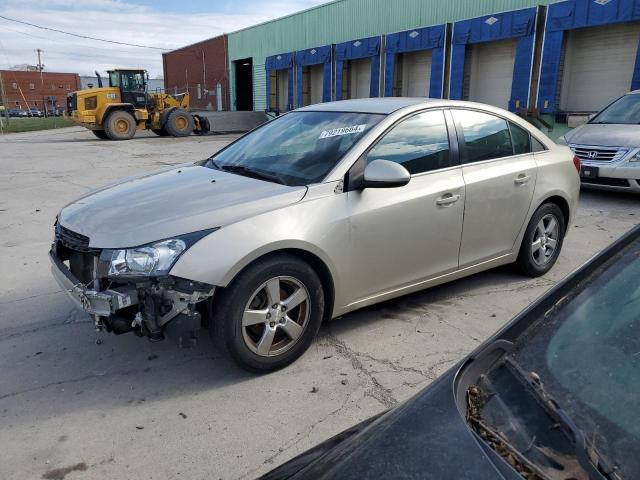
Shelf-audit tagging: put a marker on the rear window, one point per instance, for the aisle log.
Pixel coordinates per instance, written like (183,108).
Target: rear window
(484,136)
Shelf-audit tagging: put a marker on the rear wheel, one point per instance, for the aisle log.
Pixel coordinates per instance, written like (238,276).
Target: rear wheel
(269,315)
(179,123)
(101,134)
(542,240)
(120,125)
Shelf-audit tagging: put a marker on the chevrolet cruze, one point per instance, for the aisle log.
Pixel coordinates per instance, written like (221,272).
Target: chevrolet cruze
(317,213)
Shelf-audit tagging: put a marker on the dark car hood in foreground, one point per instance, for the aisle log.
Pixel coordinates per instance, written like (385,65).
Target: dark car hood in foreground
(171,202)
(605,135)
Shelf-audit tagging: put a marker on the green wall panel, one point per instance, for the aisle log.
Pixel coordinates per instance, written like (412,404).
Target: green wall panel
(345,20)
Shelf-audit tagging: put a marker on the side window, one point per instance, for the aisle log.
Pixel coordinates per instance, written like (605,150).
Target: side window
(537,146)
(420,143)
(521,139)
(484,136)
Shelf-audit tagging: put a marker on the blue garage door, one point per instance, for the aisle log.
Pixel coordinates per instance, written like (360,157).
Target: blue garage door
(578,14)
(319,57)
(364,48)
(282,64)
(518,25)
(417,40)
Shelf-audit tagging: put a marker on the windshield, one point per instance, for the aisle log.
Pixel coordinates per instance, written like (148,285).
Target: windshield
(299,148)
(625,110)
(587,353)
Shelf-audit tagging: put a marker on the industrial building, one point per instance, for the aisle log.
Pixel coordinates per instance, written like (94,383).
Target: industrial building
(553,62)
(201,70)
(43,90)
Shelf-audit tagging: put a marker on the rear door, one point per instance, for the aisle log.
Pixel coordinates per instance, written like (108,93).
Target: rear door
(500,173)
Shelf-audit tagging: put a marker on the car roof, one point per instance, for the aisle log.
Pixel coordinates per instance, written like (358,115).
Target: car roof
(634,92)
(385,105)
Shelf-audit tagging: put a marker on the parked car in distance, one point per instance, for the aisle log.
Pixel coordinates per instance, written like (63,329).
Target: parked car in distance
(608,146)
(317,213)
(36,112)
(18,112)
(553,395)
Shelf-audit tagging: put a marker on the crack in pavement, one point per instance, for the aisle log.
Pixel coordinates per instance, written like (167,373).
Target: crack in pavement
(378,392)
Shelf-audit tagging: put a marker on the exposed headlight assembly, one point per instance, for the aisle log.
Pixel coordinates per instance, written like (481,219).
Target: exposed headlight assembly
(153,260)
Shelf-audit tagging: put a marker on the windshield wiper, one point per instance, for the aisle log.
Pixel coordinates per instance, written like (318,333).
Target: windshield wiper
(589,458)
(249,172)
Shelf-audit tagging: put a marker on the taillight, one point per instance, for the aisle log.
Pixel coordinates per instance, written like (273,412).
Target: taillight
(576,162)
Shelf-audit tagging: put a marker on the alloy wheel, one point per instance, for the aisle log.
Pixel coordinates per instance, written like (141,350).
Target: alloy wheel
(545,239)
(275,316)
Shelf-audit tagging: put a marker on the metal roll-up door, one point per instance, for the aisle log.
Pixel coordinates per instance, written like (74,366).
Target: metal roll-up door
(360,84)
(316,73)
(416,73)
(598,65)
(491,72)
(283,91)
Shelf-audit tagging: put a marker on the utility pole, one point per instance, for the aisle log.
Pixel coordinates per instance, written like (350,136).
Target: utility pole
(5,110)
(40,65)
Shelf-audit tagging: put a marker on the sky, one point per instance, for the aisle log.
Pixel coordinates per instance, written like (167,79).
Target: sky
(159,23)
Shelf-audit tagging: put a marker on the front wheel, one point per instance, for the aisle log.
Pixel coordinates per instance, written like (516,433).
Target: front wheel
(179,123)
(269,315)
(542,240)
(120,125)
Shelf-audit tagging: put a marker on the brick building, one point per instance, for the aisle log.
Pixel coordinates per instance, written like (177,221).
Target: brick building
(26,89)
(200,69)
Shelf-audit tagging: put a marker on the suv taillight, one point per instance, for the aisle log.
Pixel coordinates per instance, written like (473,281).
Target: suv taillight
(576,162)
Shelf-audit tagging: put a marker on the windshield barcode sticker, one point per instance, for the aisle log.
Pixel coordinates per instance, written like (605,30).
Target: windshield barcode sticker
(334,132)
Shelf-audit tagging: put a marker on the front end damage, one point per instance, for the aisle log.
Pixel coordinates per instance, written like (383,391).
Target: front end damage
(155,307)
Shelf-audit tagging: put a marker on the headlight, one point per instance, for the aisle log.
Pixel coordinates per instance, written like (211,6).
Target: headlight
(561,140)
(151,260)
(156,259)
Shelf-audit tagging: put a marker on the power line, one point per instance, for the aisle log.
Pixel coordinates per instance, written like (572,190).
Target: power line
(80,36)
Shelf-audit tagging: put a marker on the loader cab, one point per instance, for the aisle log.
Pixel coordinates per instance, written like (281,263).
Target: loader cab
(132,85)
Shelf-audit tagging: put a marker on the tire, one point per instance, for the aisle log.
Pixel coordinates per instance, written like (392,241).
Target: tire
(542,241)
(268,341)
(179,123)
(120,125)
(161,132)
(101,134)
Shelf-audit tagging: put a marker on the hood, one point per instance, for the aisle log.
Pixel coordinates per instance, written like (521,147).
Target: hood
(605,135)
(170,202)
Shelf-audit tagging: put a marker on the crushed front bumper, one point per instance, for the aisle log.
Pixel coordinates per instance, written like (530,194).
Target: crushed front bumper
(104,303)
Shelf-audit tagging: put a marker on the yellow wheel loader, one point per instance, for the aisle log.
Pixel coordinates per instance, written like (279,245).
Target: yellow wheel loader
(117,111)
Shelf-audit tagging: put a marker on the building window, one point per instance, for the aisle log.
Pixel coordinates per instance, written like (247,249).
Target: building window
(68,87)
(60,86)
(14,85)
(32,86)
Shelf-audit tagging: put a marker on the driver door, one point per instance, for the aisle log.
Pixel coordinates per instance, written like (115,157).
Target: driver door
(402,236)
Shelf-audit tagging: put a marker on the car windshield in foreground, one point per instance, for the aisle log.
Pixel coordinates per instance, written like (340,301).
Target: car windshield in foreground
(299,148)
(587,351)
(625,110)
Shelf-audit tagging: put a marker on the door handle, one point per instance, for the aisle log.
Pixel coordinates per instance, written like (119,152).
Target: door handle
(522,179)
(447,199)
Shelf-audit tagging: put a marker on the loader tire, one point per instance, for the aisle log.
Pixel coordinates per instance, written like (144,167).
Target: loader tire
(101,134)
(179,123)
(120,125)
(161,132)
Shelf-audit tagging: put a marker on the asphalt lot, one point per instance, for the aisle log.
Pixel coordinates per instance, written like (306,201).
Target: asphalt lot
(128,408)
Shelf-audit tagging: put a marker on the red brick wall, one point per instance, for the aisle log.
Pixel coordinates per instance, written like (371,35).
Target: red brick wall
(35,89)
(203,63)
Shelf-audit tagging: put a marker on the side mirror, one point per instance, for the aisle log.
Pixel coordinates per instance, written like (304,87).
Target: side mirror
(385,174)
